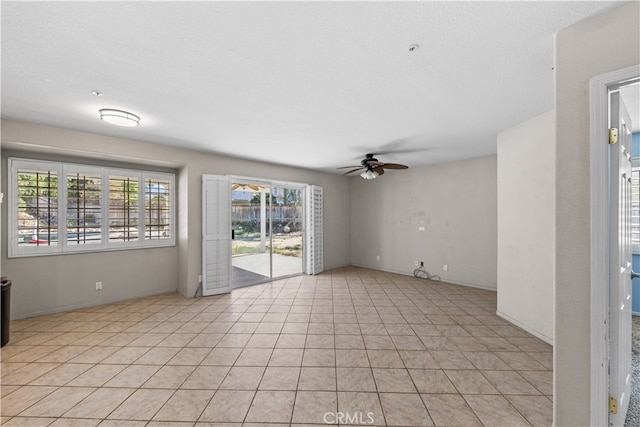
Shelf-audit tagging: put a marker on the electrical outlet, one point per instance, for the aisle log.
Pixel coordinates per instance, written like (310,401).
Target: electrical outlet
(200,278)
(415,263)
(445,267)
(377,257)
(98,286)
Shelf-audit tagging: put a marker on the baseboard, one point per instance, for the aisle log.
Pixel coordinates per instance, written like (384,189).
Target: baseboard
(521,325)
(404,273)
(81,306)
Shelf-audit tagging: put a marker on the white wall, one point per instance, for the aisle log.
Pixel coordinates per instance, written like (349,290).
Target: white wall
(605,43)
(61,282)
(526,219)
(455,203)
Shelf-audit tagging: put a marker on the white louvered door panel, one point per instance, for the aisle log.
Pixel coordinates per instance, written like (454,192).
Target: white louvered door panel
(216,235)
(314,245)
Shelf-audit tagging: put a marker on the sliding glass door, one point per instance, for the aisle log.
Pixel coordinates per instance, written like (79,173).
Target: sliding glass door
(266,223)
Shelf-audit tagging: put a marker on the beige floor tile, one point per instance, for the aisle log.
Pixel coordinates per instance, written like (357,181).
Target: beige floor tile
(157,356)
(94,354)
(355,379)
(228,406)
(222,356)
(189,356)
(126,355)
(27,373)
(378,342)
(74,422)
(185,405)
(62,374)
(269,328)
(358,408)
(58,402)
(367,334)
(538,410)
(495,411)
(206,378)
(471,382)
(141,405)
(100,403)
(132,376)
(263,340)
(407,342)
(486,360)
(271,407)
(510,382)
(316,328)
(243,378)
(23,398)
(254,357)
(169,377)
(402,409)
(96,376)
(122,423)
(542,380)
(177,340)
(280,378)
(315,378)
(286,357)
(320,341)
(349,342)
(385,359)
(350,328)
(291,341)
(431,381)
(393,380)
(311,406)
(319,357)
(418,359)
(451,360)
(352,358)
(29,422)
(234,340)
(450,410)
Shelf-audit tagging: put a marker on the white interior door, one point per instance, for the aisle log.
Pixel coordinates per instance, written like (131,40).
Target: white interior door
(620,263)
(216,235)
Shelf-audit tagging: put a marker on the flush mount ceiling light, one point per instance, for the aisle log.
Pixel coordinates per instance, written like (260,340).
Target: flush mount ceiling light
(119,118)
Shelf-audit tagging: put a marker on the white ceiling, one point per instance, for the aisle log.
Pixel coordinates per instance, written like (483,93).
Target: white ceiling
(313,84)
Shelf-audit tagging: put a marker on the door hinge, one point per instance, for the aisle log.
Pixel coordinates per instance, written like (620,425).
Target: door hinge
(613,135)
(613,405)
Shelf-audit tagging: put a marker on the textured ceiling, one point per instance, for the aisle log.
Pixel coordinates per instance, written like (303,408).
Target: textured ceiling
(312,84)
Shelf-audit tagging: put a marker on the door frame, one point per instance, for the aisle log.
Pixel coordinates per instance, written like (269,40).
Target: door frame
(599,239)
(271,183)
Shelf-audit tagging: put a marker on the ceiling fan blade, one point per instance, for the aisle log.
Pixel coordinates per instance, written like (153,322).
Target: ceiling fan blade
(347,167)
(374,163)
(353,170)
(379,169)
(395,166)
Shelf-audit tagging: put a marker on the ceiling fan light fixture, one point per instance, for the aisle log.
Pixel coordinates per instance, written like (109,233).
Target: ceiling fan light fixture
(119,117)
(369,174)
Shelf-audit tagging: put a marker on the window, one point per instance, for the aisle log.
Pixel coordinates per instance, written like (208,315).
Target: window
(60,208)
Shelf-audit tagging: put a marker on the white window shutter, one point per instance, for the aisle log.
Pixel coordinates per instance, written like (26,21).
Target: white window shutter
(314,244)
(216,235)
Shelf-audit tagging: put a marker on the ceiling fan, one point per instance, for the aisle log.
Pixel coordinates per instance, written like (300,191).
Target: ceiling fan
(371,167)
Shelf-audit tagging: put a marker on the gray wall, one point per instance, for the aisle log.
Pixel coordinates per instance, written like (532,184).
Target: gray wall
(454,202)
(526,215)
(605,43)
(55,283)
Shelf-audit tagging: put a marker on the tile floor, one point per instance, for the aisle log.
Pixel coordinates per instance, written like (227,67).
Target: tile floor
(349,346)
